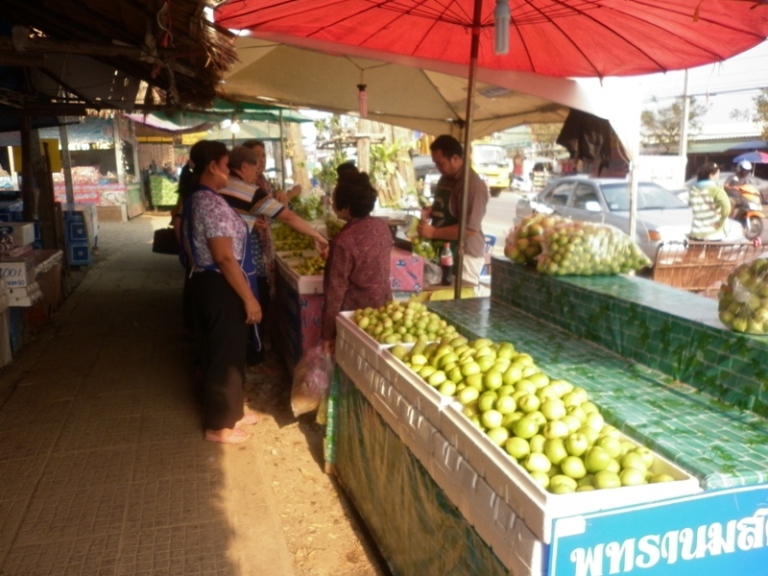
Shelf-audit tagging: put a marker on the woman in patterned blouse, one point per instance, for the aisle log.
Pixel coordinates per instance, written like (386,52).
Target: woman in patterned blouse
(215,241)
(357,271)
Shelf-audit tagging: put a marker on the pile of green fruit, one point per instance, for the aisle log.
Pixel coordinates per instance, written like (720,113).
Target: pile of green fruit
(549,426)
(310,266)
(585,249)
(333,226)
(524,243)
(402,322)
(743,298)
(286,238)
(423,248)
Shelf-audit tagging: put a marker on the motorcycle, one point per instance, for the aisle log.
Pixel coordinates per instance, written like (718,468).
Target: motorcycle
(749,211)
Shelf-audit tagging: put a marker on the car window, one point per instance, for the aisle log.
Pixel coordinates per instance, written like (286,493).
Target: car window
(559,194)
(649,197)
(584,193)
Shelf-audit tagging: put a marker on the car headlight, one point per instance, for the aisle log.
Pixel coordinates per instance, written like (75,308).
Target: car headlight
(654,235)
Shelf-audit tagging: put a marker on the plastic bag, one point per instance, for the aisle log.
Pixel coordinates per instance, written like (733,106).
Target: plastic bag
(524,243)
(311,380)
(433,274)
(743,298)
(586,249)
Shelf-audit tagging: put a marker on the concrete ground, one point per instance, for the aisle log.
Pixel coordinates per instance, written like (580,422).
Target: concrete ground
(103,470)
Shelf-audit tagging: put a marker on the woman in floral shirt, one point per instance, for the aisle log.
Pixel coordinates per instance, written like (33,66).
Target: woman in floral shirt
(215,241)
(357,271)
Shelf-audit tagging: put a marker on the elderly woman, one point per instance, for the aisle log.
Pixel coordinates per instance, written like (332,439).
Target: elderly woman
(253,202)
(221,290)
(357,271)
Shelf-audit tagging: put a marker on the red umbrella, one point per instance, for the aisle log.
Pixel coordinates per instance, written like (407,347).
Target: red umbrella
(551,37)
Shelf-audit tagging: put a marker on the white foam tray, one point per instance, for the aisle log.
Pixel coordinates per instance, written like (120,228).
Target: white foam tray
(302,284)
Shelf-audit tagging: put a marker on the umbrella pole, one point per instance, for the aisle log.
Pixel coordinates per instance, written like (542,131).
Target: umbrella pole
(467,145)
(282,152)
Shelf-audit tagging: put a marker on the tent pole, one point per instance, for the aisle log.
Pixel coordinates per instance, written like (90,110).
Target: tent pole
(282,152)
(467,145)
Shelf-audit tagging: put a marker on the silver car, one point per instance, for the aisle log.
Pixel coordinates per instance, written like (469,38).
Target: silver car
(661,215)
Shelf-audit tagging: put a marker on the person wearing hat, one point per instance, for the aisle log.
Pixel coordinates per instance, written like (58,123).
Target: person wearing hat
(742,177)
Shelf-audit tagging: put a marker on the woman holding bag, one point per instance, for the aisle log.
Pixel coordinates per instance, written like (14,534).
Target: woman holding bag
(221,289)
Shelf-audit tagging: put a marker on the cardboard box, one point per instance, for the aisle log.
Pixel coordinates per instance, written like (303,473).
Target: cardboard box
(406,271)
(17,272)
(25,296)
(22,232)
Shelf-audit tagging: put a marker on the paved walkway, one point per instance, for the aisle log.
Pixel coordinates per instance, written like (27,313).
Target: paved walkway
(103,470)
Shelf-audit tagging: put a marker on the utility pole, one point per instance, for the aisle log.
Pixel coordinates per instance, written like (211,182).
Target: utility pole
(683,146)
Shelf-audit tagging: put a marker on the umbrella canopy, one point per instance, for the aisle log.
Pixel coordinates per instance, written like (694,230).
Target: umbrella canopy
(754,157)
(550,37)
(431,100)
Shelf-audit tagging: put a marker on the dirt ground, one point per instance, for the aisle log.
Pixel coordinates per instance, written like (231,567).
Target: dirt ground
(322,530)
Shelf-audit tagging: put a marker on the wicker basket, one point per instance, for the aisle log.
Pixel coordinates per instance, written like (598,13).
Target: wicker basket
(700,267)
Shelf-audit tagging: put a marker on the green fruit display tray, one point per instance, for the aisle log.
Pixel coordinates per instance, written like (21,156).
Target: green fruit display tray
(302,284)
(490,489)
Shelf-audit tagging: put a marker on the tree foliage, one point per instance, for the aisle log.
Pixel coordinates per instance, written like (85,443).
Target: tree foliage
(662,126)
(761,112)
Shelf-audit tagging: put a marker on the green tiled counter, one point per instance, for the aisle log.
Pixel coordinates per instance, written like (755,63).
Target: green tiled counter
(721,445)
(673,331)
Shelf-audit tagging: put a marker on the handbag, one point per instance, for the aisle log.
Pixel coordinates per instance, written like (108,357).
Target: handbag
(165,242)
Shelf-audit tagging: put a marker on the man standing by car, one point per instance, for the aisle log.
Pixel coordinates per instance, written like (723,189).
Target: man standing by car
(448,156)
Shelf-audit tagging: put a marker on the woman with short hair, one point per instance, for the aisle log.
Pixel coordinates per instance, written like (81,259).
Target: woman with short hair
(357,271)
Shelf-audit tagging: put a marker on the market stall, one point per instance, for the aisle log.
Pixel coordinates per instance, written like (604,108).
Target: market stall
(441,498)
(300,297)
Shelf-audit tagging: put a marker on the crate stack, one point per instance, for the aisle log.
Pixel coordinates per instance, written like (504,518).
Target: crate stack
(5,326)
(17,264)
(80,230)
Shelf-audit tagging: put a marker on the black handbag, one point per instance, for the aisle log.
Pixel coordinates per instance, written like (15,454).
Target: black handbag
(165,242)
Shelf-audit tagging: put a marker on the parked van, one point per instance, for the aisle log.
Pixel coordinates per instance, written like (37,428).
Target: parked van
(491,163)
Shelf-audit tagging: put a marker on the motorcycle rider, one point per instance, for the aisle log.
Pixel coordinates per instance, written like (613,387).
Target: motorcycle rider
(743,176)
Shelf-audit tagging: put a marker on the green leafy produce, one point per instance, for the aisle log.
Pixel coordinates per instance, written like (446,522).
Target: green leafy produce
(308,207)
(743,298)
(586,249)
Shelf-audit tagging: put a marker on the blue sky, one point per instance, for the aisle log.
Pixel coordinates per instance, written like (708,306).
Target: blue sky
(724,86)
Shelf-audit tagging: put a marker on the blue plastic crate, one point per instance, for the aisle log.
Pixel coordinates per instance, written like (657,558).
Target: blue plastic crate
(77,231)
(80,254)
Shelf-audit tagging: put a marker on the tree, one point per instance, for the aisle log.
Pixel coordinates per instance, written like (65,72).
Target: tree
(761,113)
(662,127)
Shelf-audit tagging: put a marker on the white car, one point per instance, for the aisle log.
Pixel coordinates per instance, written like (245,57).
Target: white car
(661,215)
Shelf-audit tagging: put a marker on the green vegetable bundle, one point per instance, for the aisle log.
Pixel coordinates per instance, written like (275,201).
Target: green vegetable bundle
(585,249)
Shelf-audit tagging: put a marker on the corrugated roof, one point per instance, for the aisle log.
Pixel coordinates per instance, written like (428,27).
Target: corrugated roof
(172,46)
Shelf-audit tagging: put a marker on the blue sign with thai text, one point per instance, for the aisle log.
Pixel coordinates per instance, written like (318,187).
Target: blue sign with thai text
(722,533)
